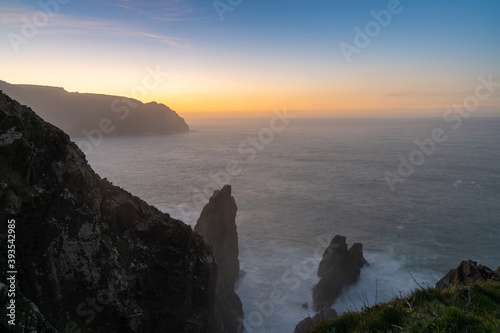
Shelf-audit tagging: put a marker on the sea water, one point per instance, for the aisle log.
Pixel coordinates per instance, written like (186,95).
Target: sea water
(298,185)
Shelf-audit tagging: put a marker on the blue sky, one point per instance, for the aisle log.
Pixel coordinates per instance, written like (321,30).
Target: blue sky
(264,54)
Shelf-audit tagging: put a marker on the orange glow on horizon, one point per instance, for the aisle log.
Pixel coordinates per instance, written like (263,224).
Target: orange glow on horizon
(197,95)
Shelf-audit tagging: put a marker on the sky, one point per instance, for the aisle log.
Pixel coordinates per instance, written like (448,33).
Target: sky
(238,58)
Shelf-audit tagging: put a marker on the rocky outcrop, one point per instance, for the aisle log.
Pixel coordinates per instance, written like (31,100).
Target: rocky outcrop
(307,323)
(468,272)
(218,227)
(91,115)
(338,268)
(90,255)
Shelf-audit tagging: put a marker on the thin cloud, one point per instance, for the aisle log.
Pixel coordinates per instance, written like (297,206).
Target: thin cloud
(63,24)
(11,15)
(421,93)
(169,11)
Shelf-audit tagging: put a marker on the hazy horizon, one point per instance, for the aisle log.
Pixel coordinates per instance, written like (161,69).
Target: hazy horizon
(348,58)
(197,117)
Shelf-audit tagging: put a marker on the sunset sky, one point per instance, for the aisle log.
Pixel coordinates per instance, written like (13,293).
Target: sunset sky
(256,56)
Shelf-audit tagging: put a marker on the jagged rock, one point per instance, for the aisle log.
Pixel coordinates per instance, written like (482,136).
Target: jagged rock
(338,268)
(468,272)
(307,323)
(79,114)
(217,226)
(90,255)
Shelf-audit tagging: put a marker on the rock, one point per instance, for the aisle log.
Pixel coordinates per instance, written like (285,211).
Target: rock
(468,272)
(81,115)
(305,305)
(217,226)
(339,268)
(91,256)
(306,324)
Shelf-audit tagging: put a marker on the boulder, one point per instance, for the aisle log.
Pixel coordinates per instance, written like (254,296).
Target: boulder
(468,272)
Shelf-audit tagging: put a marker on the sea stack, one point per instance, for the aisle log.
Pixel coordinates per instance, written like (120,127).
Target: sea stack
(339,267)
(217,226)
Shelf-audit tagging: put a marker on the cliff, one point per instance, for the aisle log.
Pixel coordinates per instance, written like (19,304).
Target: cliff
(89,255)
(81,115)
(217,225)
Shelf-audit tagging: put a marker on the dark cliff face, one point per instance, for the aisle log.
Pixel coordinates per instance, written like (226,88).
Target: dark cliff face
(338,268)
(90,254)
(77,114)
(218,227)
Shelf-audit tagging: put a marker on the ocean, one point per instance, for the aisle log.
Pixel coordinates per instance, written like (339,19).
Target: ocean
(419,208)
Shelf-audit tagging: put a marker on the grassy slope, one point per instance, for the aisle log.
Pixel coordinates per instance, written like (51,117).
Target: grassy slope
(474,308)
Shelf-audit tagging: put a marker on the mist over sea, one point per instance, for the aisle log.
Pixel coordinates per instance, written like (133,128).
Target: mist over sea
(313,179)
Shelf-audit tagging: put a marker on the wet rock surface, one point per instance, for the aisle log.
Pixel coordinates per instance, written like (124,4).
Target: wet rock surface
(339,267)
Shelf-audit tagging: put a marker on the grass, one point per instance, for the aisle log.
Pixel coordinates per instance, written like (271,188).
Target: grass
(474,308)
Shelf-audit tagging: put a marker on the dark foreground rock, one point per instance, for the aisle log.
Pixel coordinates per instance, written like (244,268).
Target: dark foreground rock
(217,225)
(339,268)
(307,323)
(89,255)
(468,272)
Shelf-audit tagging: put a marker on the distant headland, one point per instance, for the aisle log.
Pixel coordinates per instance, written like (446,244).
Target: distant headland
(92,116)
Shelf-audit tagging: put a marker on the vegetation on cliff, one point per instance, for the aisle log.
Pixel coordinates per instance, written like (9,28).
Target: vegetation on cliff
(473,308)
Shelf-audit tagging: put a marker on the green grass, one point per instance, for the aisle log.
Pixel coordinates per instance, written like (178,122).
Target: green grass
(474,308)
